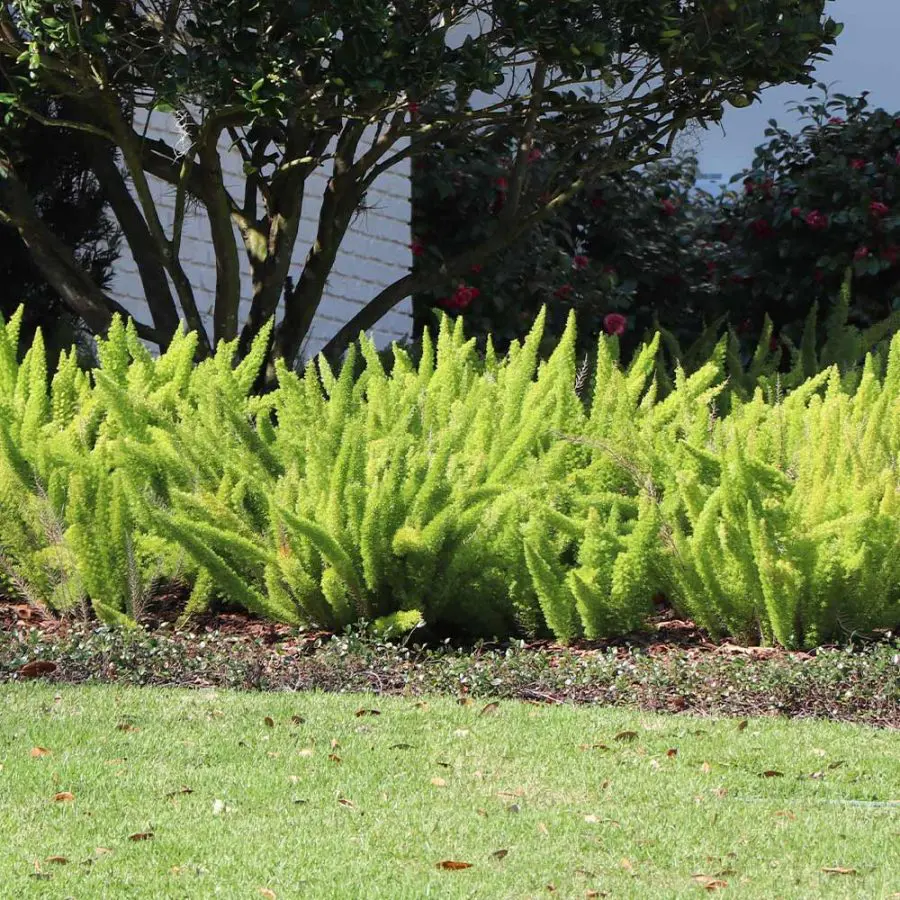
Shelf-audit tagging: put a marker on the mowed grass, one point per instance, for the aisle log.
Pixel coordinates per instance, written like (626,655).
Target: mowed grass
(168,793)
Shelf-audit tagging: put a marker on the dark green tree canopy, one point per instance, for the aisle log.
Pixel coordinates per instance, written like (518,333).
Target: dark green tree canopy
(298,85)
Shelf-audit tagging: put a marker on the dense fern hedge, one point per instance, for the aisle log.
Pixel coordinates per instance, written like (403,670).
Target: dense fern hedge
(489,496)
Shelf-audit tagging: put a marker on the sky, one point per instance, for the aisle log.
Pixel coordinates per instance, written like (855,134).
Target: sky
(866,58)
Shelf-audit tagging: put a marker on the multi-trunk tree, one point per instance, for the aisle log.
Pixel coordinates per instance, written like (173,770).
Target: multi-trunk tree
(298,86)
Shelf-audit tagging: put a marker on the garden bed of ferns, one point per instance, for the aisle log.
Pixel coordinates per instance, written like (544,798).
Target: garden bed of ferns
(670,666)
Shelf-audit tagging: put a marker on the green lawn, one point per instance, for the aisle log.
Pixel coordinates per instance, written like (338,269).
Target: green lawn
(241,801)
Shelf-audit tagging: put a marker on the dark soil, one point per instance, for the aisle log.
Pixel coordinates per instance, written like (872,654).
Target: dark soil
(672,666)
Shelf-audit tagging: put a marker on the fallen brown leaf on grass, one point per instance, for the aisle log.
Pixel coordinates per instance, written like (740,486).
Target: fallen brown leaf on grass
(267,893)
(490,708)
(626,736)
(593,747)
(672,752)
(182,790)
(367,712)
(59,860)
(710,882)
(37,752)
(838,870)
(269,722)
(706,768)
(335,758)
(141,836)
(63,796)
(37,668)
(439,782)
(297,720)
(771,773)
(348,803)
(306,751)
(453,865)
(741,726)
(400,747)
(126,726)
(102,851)
(785,814)
(500,854)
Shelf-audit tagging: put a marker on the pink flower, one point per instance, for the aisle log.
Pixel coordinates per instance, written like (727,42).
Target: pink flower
(580,262)
(816,220)
(857,164)
(563,292)
(463,296)
(835,120)
(614,323)
(476,268)
(413,108)
(417,247)
(534,155)
(502,183)
(796,212)
(761,228)
(669,208)
(879,209)
(861,252)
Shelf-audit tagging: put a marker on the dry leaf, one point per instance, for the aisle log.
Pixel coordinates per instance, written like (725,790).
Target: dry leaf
(542,828)
(126,726)
(818,751)
(500,854)
(335,743)
(490,709)
(672,752)
(37,752)
(706,768)
(785,814)
(63,796)
(439,782)
(400,747)
(626,736)
(592,819)
(421,705)
(593,894)
(297,720)
(464,701)
(102,851)
(268,894)
(771,773)
(269,721)
(741,726)
(593,747)
(37,667)
(720,792)
(626,864)
(551,888)
(182,790)
(141,836)
(335,758)
(219,807)
(710,882)
(59,860)
(461,732)
(306,751)
(838,870)
(368,712)
(348,803)
(482,812)
(452,865)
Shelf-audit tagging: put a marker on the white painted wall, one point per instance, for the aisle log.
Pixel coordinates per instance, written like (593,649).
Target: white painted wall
(374,254)
(865,58)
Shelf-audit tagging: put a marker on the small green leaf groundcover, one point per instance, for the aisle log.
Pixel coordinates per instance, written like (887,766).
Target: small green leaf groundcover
(144,793)
(484,496)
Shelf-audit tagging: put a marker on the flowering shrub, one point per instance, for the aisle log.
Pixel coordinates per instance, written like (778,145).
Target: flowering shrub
(649,247)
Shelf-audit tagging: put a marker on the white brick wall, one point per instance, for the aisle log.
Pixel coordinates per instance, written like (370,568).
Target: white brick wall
(375,251)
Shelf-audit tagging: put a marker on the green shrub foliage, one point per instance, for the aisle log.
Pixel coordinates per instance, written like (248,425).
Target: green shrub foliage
(485,495)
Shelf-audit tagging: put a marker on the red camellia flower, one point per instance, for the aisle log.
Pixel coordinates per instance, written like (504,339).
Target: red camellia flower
(502,183)
(669,208)
(563,292)
(462,297)
(796,212)
(614,323)
(891,253)
(879,209)
(534,155)
(835,120)
(816,220)
(580,262)
(857,164)
(761,228)
(413,108)
(477,267)
(861,252)
(417,247)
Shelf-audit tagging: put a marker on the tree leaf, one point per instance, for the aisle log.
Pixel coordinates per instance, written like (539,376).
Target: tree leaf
(453,865)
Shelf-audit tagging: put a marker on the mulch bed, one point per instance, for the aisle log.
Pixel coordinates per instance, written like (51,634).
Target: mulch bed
(673,666)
